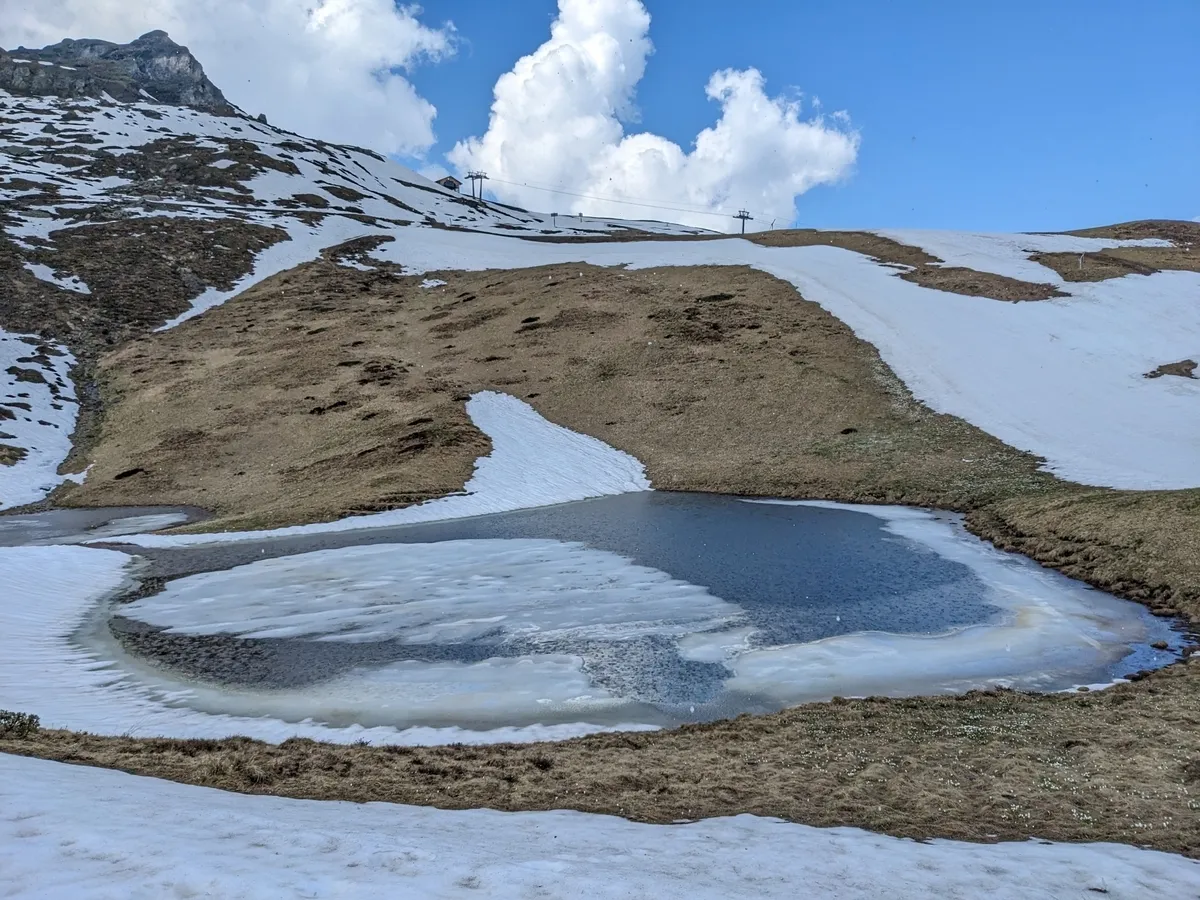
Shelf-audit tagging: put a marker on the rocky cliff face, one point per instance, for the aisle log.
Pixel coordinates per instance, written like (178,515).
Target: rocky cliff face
(153,67)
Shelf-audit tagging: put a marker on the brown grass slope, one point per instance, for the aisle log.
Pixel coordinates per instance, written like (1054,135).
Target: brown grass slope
(1116,262)
(326,391)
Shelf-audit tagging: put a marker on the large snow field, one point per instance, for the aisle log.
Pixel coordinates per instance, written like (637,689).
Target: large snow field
(83,833)
(37,415)
(1062,379)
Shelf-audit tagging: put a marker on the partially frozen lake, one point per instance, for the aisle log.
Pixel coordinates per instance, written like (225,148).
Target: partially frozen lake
(640,609)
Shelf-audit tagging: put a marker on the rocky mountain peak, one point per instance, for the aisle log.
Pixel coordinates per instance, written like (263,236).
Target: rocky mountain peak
(152,67)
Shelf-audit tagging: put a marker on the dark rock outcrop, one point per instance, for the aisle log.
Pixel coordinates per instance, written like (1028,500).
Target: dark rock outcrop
(152,68)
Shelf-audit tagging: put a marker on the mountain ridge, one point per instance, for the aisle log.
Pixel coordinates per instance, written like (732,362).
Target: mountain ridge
(152,67)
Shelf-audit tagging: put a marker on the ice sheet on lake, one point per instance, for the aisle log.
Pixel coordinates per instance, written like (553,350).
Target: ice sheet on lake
(544,593)
(533,463)
(445,592)
(37,415)
(482,700)
(1050,627)
(88,833)
(51,592)
(1048,632)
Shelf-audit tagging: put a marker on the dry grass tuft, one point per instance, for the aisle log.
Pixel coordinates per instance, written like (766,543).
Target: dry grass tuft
(1185,368)
(10,455)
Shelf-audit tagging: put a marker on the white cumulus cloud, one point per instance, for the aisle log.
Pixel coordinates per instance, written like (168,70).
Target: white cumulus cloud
(326,68)
(557,121)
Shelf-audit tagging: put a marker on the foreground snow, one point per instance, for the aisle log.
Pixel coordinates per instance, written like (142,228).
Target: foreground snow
(71,831)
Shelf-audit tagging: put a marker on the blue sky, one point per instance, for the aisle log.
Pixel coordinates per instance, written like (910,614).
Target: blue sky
(1012,115)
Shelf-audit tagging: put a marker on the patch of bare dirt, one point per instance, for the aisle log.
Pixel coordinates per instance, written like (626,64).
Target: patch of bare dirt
(1175,230)
(173,165)
(958,280)
(141,272)
(10,455)
(1185,368)
(1117,262)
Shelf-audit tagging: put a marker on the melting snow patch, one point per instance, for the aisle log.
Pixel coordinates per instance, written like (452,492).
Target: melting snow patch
(222,164)
(94,833)
(533,463)
(66,282)
(37,415)
(1007,254)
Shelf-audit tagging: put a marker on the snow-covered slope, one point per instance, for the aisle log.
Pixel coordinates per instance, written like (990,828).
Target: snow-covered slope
(67,163)
(78,832)
(1062,378)
(37,416)
(164,160)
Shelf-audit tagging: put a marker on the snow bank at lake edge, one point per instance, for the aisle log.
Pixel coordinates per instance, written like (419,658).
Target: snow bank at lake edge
(80,832)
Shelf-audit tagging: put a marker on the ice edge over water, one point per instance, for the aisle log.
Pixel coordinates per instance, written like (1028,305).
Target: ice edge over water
(44,671)
(1046,620)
